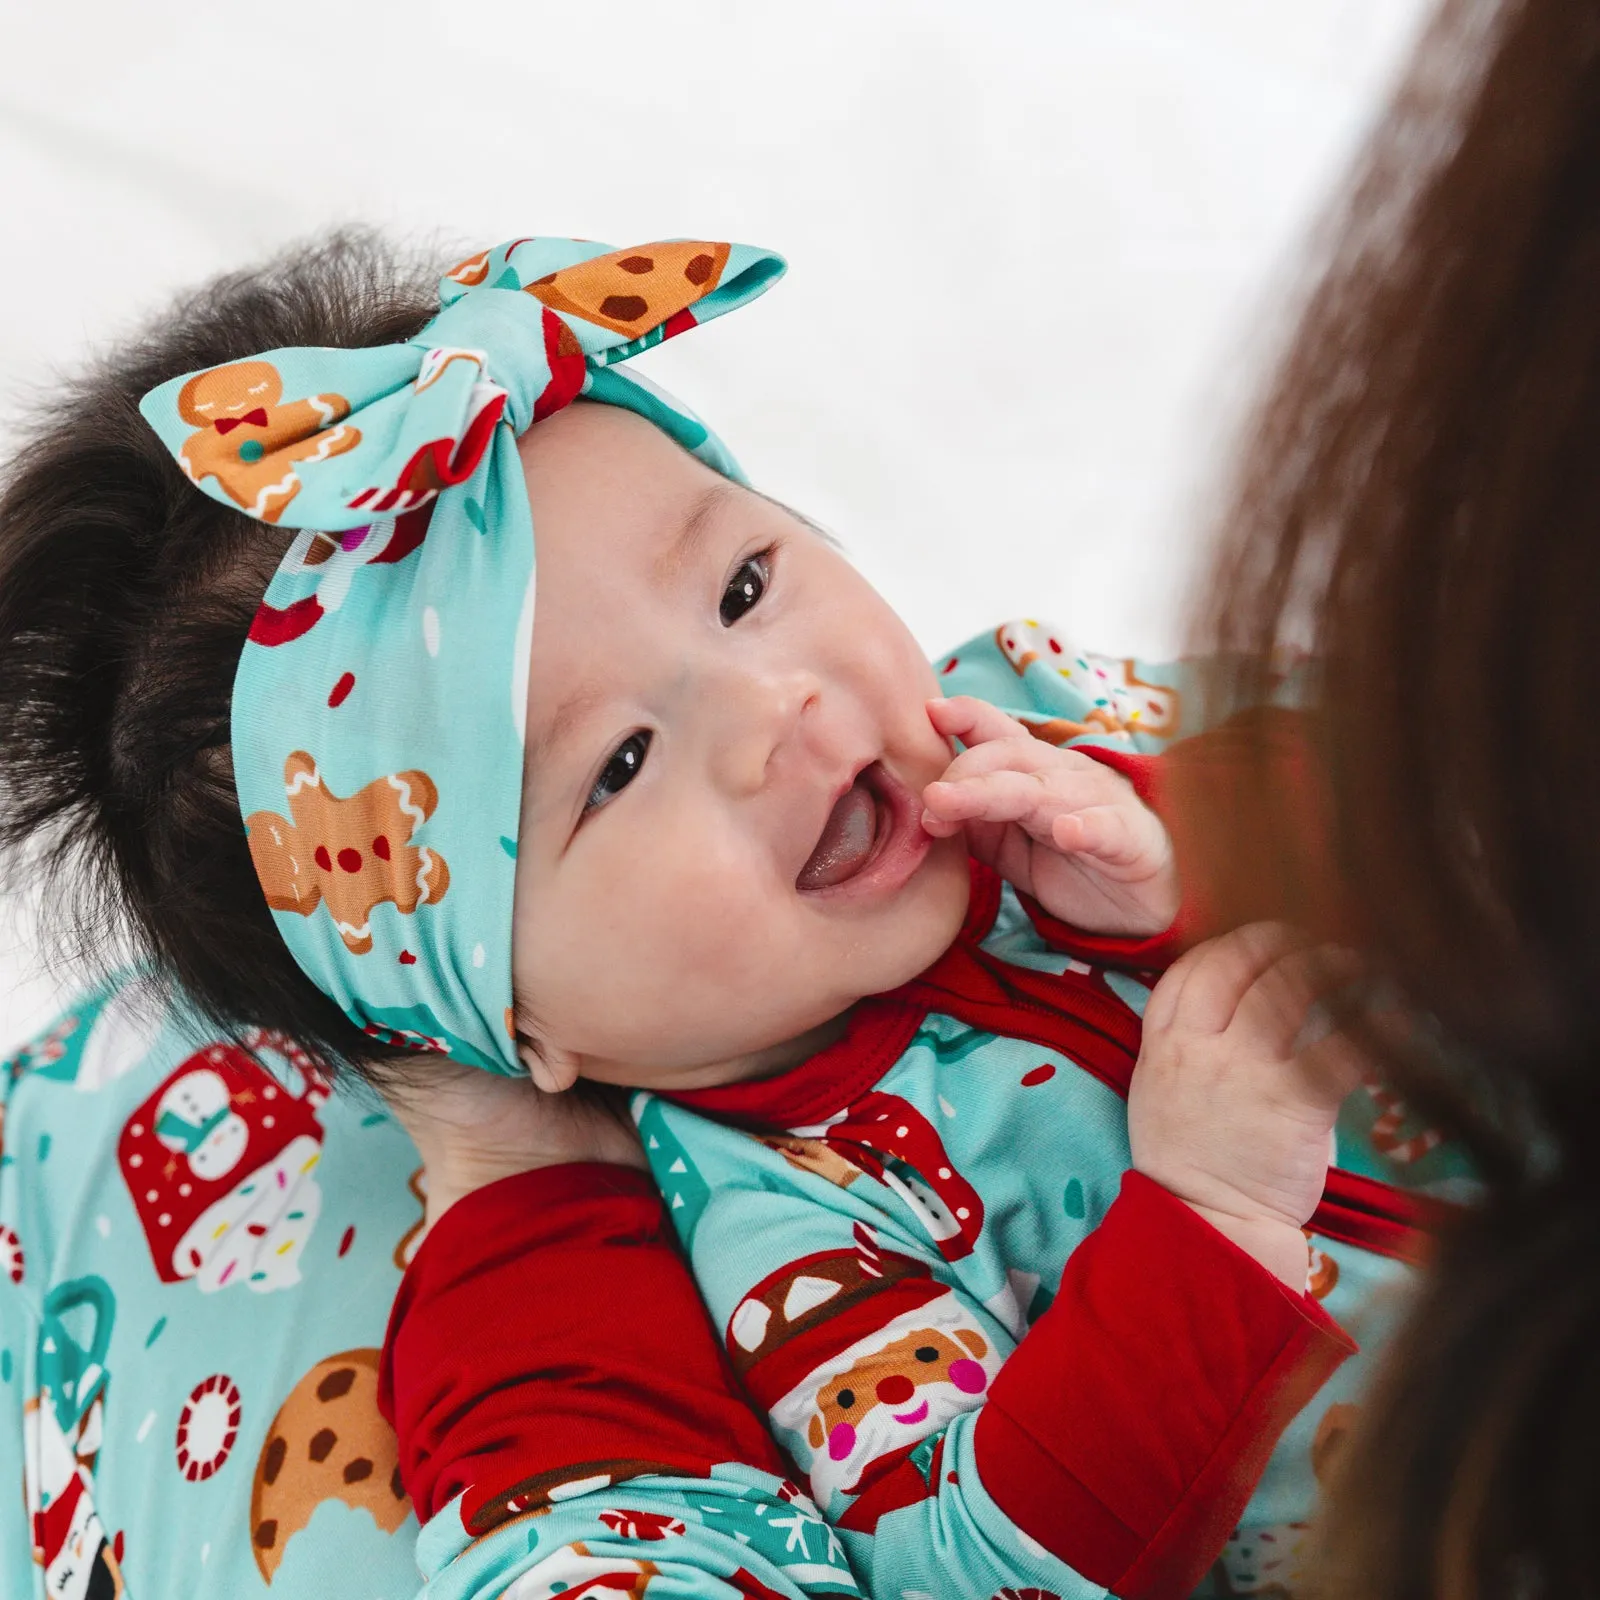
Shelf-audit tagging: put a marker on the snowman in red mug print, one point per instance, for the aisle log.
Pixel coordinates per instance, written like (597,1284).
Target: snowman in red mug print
(220,1161)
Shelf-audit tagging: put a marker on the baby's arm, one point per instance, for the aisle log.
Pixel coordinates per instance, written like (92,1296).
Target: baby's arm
(1113,1448)
(566,1419)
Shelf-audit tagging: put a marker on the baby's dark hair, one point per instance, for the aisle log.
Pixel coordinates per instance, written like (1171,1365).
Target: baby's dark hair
(125,598)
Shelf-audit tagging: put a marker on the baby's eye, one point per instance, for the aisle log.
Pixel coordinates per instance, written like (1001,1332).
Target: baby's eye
(745,591)
(619,771)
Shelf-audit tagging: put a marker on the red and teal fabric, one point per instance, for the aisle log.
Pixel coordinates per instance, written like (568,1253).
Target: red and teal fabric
(203,1390)
(378,707)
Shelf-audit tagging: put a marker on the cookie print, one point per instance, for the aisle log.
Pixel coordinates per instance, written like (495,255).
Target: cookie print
(1275,1562)
(327,1442)
(534,1496)
(1116,699)
(252,441)
(632,291)
(354,853)
(576,1571)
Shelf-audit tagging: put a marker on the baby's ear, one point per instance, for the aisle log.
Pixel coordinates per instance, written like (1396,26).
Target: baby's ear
(552,1069)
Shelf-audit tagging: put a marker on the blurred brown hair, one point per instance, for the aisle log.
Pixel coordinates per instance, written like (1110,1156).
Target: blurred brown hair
(1419,505)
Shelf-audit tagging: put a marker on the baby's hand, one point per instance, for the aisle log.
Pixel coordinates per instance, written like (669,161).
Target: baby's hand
(1055,823)
(1231,1107)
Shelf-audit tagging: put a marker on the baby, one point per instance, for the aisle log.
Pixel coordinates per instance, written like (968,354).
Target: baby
(687,817)
(887,1005)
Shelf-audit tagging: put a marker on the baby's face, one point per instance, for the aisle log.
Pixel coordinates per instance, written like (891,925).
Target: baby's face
(714,693)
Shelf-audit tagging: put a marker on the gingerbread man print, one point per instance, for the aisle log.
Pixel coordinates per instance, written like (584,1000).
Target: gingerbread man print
(252,441)
(353,853)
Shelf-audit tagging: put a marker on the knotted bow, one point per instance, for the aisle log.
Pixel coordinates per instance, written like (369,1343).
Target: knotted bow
(379,704)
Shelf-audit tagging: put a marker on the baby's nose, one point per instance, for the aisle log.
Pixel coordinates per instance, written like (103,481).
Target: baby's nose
(896,1389)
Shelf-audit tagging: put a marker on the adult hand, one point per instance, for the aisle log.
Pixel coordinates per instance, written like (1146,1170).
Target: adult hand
(1234,1098)
(473,1127)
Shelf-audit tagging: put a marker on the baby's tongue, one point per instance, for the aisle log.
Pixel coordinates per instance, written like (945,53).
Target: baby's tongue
(846,842)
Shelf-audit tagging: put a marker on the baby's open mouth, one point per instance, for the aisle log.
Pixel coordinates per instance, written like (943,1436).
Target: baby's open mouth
(850,836)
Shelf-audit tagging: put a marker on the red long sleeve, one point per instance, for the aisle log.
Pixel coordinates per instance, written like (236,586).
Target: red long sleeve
(1128,1430)
(547,1332)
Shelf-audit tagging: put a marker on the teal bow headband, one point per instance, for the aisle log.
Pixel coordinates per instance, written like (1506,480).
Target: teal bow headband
(379,704)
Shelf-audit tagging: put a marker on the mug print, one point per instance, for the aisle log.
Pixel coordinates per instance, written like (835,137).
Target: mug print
(219,1160)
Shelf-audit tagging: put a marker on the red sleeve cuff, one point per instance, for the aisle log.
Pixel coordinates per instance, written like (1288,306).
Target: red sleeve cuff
(1133,1422)
(1150,953)
(548,1331)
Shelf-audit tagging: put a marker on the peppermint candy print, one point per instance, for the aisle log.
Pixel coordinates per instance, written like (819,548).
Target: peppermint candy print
(645,1525)
(12,1259)
(208,1425)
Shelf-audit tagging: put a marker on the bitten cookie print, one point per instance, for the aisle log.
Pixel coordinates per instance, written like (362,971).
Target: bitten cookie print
(220,1162)
(633,291)
(252,441)
(354,853)
(327,1442)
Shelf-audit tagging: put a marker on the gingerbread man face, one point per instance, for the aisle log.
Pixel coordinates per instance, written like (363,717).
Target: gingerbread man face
(251,440)
(353,853)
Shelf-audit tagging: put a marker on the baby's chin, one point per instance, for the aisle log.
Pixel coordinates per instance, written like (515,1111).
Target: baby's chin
(931,913)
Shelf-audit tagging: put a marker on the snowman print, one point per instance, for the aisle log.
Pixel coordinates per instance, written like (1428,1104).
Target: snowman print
(220,1162)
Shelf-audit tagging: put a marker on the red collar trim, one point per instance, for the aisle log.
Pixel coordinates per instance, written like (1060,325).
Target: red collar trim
(879,1032)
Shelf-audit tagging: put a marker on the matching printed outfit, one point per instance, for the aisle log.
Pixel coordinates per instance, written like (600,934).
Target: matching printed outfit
(994,1362)
(999,1362)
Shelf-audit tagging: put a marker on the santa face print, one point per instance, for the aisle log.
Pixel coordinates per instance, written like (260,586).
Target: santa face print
(897,1394)
(727,741)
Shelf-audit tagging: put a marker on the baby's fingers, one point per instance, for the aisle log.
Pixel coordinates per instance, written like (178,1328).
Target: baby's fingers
(1281,1009)
(1002,796)
(1216,976)
(1116,835)
(973,721)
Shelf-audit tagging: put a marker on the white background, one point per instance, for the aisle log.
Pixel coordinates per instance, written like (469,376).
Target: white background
(1033,243)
